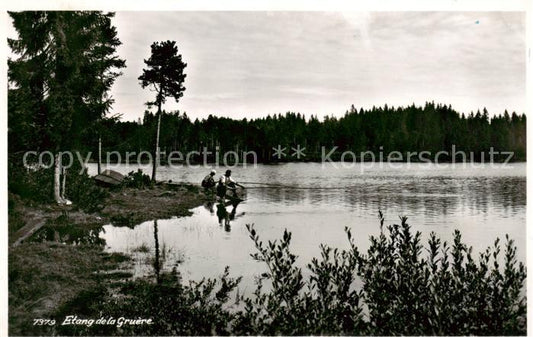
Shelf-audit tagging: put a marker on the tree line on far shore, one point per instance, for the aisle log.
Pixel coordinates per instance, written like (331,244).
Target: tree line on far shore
(66,63)
(432,127)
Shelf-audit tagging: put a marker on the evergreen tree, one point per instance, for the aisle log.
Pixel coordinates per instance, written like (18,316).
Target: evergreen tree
(164,74)
(60,81)
(433,127)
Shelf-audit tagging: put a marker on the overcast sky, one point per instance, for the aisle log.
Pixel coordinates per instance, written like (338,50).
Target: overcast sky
(250,64)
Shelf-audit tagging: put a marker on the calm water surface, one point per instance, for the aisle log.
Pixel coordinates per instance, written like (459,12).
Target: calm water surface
(316,202)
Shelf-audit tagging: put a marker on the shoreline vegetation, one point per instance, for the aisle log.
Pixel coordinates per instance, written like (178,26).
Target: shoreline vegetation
(62,269)
(63,66)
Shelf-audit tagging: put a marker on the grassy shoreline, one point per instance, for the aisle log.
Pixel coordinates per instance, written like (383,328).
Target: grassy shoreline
(61,257)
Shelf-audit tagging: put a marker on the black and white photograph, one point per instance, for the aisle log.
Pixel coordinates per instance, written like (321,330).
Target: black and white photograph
(265,172)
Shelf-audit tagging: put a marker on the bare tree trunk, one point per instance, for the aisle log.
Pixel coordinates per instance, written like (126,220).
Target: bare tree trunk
(156,159)
(99,154)
(63,182)
(60,180)
(57,176)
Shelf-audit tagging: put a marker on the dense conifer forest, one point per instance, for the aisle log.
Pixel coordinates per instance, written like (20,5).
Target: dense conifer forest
(432,127)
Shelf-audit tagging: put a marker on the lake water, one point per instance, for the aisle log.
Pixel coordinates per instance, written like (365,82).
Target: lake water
(316,202)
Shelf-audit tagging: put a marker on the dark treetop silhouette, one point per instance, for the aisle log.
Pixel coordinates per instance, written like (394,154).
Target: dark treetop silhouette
(165,76)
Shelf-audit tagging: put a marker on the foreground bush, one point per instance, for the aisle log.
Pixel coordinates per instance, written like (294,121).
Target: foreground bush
(199,308)
(395,288)
(137,180)
(84,193)
(30,184)
(36,184)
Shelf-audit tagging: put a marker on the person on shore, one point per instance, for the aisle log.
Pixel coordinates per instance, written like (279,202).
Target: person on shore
(209,181)
(227,182)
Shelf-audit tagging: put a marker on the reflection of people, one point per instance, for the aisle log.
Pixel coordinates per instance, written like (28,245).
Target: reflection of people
(225,182)
(209,181)
(222,214)
(224,218)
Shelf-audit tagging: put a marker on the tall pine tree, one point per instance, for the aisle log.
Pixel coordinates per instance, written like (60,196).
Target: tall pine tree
(60,80)
(164,74)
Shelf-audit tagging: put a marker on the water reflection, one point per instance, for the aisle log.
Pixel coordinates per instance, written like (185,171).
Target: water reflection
(225,217)
(69,234)
(316,205)
(157,265)
(429,196)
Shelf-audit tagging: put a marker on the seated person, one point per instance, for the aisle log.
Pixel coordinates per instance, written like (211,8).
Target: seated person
(225,182)
(209,181)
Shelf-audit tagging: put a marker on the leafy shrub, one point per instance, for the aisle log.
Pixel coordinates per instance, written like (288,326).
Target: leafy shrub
(137,180)
(402,292)
(446,293)
(326,303)
(175,308)
(394,289)
(83,191)
(35,184)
